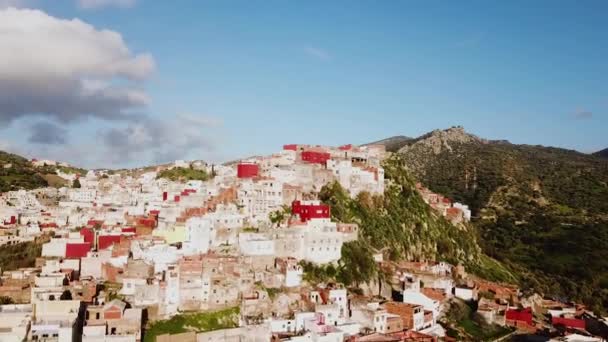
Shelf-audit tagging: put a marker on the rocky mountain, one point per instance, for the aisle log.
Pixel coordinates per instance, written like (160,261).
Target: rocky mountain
(540,210)
(392,144)
(602,154)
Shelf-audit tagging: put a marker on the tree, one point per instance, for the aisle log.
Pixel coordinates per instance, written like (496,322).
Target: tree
(76,184)
(66,295)
(4,300)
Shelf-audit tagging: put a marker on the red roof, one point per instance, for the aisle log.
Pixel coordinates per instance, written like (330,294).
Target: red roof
(569,322)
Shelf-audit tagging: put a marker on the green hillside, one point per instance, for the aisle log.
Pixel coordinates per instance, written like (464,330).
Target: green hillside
(18,173)
(541,210)
(402,222)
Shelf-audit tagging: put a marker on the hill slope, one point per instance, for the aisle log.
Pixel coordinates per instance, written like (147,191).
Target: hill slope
(602,154)
(17,173)
(392,144)
(541,210)
(406,226)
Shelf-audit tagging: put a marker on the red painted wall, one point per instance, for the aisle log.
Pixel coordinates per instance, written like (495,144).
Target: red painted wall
(128,230)
(524,315)
(105,241)
(77,250)
(247,170)
(307,212)
(165,196)
(88,234)
(315,157)
(569,322)
(345,147)
(290,147)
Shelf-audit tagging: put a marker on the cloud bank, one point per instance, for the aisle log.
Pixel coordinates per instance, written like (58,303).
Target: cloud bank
(63,75)
(67,69)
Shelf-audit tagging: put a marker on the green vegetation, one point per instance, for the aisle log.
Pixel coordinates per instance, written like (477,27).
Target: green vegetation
(196,322)
(355,266)
(541,211)
(18,173)
(183,174)
(402,222)
(4,300)
(272,291)
(76,184)
(464,324)
(19,255)
(279,216)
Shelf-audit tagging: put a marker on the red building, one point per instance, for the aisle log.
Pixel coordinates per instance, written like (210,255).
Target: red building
(105,241)
(310,211)
(569,322)
(128,230)
(519,315)
(315,157)
(247,170)
(345,147)
(77,250)
(92,223)
(290,147)
(165,196)
(88,234)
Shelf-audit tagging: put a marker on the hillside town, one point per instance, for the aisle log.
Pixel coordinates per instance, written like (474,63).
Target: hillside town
(126,256)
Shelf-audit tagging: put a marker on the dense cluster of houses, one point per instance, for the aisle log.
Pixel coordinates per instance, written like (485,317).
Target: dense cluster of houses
(453,211)
(125,250)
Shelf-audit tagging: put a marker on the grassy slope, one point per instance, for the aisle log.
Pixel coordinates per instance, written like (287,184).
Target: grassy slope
(401,221)
(20,174)
(19,255)
(183,174)
(197,322)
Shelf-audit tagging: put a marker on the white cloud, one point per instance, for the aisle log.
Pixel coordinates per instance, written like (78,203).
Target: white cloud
(317,53)
(66,69)
(94,4)
(159,141)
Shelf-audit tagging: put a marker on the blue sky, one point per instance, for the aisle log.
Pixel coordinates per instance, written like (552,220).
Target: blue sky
(264,73)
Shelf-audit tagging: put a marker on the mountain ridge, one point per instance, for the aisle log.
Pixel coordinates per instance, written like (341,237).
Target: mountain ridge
(540,210)
(601,154)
